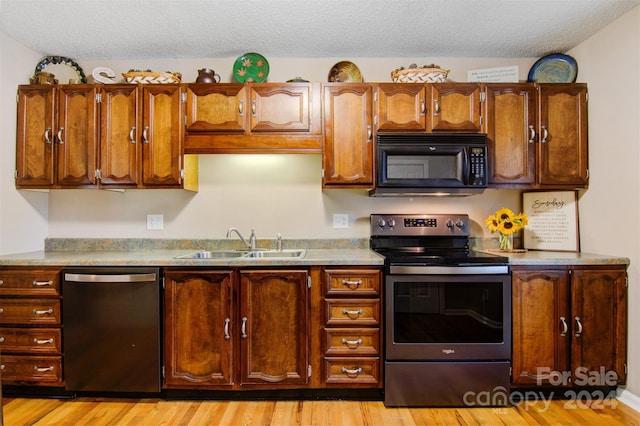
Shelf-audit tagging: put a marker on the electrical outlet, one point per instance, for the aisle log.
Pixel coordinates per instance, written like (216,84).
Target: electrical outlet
(341,220)
(155,222)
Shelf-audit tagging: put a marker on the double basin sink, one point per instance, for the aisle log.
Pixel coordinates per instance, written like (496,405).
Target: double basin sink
(246,254)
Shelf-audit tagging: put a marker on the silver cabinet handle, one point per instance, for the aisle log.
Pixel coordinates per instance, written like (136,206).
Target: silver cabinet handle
(436,109)
(369,134)
(578,326)
(253,108)
(1,282)
(42,283)
(227,336)
(47,135)
(1,339)
(349,283)
(532,134)
(132,135)
(43,369)
(353,372)
(43,341)
(545,134)
(565,327)
(352,343)
(43,311)
(352,313)
(241,107)
(145,134)
(244,327)
(60,131)
(423,107)
(1,310)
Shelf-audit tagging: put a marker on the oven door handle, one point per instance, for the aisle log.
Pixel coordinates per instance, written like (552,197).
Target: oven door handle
(448,270)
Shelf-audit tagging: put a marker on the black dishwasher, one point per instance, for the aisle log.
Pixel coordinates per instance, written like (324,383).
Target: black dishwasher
(111,335)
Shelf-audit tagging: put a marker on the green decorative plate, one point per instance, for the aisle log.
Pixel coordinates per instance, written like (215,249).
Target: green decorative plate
(251,68)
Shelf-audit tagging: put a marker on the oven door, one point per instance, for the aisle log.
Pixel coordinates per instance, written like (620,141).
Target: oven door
(448,317)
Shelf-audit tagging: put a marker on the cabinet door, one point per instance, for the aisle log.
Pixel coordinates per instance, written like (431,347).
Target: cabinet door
(162,135)
(541,325)
(455,107)
(119,135)
(401,106)
(599,309)
(348,147)
(35,136)
(510,123)
(280,107)
(77,135)
(197,330)
(562,158)
(274,330)
(216,107)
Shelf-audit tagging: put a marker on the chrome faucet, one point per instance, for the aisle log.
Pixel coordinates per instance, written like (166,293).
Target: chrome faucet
(252,239)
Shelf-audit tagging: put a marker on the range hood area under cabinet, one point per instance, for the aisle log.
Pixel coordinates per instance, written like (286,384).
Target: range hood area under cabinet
(536,133)
(102,136)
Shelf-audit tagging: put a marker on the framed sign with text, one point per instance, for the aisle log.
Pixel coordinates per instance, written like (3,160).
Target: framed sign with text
(553,220)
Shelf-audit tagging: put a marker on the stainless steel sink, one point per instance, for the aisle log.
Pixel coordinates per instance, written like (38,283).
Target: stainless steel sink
(215,254)
(253,254)
(277,254)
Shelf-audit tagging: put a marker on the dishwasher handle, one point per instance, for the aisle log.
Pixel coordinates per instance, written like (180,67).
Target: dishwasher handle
(109,278)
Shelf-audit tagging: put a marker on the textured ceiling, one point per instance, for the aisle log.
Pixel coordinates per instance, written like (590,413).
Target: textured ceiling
(117,29)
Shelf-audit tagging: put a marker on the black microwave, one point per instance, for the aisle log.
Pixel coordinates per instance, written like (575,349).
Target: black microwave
(430,164)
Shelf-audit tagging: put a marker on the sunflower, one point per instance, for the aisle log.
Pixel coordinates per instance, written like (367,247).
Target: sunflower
(506,222)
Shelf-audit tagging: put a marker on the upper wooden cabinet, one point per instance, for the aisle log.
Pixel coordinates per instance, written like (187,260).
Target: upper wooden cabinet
(537,135)
(256,117)
(109,136)
(568,321)
(455,107)
(401,106)
(57,136)
(348,135)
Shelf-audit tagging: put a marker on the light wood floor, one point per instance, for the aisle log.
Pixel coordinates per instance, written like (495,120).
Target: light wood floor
(153,412)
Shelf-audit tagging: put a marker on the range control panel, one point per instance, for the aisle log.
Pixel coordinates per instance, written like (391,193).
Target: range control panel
(420,224)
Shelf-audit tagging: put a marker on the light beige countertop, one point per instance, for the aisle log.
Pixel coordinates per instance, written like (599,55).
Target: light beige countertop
(535,257)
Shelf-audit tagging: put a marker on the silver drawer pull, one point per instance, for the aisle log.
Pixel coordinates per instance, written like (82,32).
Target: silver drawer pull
(43,341)
(1,282)
(42,283)
(1,366)
(353,372)
(43,369)
(349,283)
(43,311)
(1,339)
(1,310)
(352,313)
(352,343)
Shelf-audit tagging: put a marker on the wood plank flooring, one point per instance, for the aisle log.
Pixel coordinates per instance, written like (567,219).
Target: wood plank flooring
(154,412)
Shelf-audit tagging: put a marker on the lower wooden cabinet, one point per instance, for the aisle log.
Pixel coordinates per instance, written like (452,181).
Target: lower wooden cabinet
(31,326)
(569,326)
(236,329)
(352,327)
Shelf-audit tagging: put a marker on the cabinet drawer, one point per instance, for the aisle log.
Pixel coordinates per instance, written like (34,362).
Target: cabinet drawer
(352,341)
(352,370)
(30,311)
(356,282)
(352,312)
(45,341)
(31,370)
(29,282)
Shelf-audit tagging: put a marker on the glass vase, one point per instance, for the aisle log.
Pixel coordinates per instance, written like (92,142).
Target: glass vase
(506,242)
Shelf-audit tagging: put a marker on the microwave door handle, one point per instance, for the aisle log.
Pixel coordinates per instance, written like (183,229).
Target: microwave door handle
(465,166)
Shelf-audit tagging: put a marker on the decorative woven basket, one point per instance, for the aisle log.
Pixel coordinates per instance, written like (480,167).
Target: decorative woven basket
(152,77)
(419,75)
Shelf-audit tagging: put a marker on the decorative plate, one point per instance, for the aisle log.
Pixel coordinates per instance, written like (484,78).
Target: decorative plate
(345,72)
(251,68)
(554,68)
(64,69)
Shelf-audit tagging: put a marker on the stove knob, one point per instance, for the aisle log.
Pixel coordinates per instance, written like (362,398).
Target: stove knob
(392,223)
(382,223)
(449,223)
(459,223)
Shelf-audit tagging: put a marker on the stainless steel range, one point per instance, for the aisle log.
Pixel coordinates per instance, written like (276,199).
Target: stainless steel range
(447,313)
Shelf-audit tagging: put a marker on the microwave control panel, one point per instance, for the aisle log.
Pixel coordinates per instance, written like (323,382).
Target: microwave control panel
(478,174)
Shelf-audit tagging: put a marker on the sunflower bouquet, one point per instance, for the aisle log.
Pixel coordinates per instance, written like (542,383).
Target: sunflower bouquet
(506,222)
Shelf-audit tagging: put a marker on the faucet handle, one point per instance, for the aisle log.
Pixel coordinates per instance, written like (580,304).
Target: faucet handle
(253,239)
(279,242)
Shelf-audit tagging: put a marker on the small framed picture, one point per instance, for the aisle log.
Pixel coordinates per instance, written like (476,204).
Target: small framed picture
(553,220)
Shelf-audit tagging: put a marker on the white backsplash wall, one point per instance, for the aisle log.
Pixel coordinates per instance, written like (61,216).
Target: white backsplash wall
(271,193)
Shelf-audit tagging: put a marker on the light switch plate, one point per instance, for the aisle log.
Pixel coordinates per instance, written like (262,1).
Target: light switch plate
(155,222)
(340,220)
